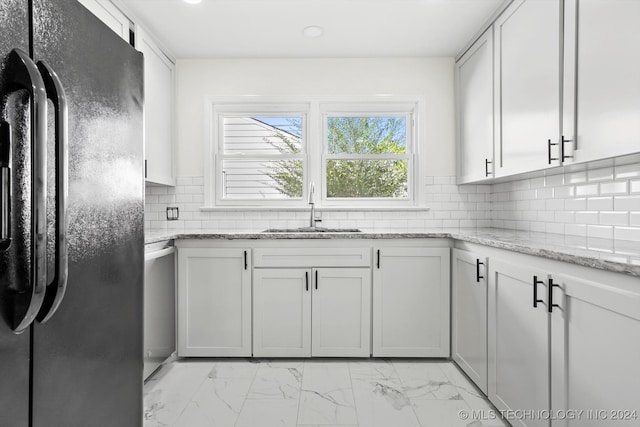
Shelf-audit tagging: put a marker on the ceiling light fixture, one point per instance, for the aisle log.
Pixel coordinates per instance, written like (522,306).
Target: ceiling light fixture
(313,31)
(192,1)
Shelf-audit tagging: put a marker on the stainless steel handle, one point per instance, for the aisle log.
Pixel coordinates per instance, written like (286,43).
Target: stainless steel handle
(562,155)
(535,291)
(550,303)
(5,185)
(478,276)
(22,74)
(549,158)
(58,286)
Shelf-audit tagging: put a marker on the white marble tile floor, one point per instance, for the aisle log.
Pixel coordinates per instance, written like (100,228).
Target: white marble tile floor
(312,393)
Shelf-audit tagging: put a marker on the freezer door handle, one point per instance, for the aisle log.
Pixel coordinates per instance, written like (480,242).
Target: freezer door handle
(22,74)
(5,185)
(58,286)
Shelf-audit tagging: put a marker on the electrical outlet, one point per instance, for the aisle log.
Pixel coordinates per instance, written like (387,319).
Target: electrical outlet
(173,213)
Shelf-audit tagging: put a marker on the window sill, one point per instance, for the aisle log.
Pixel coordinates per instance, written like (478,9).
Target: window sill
(318,207)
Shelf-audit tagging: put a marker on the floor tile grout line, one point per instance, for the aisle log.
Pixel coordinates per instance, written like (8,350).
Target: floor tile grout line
(403,390)
(253,379)
(353,393)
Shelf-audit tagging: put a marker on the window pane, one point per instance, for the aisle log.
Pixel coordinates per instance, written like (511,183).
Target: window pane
(367,178)
(262,179)
(260,135)
(366,135)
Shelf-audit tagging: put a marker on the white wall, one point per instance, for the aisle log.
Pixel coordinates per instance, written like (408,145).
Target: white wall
(429,77)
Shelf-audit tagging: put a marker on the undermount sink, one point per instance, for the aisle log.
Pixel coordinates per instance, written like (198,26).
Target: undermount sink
(312,230)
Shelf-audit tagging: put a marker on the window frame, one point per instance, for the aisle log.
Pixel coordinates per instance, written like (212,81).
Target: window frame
(314,110)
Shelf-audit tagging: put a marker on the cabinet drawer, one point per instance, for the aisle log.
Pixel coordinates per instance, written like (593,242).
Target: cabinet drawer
(312,257)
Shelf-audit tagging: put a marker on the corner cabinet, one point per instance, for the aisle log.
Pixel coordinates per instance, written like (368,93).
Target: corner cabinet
(159,71)
(411,302)
(594,322)
(469,314)
(528,72)
(519,368)
(214,302)
(474,91)
(601,84)
(321,311)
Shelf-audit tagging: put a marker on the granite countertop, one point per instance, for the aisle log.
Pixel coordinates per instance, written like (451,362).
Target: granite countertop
(606,254)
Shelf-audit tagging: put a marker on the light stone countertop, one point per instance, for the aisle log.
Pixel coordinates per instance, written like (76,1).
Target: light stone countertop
(606,254)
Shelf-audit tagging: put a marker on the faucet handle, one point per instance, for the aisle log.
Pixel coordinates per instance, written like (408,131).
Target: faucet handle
(312,191)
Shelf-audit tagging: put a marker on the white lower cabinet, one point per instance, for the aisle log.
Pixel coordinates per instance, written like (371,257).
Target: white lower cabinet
(595,358)
(518,340)
(411,302)
(469,314)
(562,339)
(303,312)
(214,302)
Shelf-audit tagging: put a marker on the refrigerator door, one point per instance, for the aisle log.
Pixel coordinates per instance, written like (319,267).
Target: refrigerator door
(14,349)
(87,358)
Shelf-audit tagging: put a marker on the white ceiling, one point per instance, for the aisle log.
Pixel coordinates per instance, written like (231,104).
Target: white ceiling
(273,28)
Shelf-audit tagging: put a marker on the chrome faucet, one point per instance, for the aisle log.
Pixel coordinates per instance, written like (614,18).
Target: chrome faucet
(312,191)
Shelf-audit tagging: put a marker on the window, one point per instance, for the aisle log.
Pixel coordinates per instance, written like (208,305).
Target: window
(358,153)
(366,157)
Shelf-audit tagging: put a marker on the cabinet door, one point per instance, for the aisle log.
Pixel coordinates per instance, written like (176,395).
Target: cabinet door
(527,37)
(518,341)
(602,65)
(159,309)
(110,15)
(595,351)
(282,312)
(214,302)
(469,316)
(474,82)
(341,324)
(411,302)
(158,111)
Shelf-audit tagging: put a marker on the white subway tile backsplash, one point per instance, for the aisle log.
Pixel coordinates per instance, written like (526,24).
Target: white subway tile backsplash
(602,174)
(585,200)
(600,203)
(618,187)
(627,203)
(627,233)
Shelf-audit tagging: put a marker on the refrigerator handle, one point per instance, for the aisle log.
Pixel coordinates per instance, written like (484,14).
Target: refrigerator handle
(5,185)
(56,289)
(22,74)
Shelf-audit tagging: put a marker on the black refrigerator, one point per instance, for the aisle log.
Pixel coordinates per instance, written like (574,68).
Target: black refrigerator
(71,219)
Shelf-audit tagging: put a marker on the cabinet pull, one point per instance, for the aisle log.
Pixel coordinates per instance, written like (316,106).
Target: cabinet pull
(535,291)
(564,157)
(486,167)
(316,279)
(478,276)
(378,260)
(245,260)
(306,280)
(549,158)
(550,303)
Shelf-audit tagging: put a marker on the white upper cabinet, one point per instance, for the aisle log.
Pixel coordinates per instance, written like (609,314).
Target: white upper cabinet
(158,110)
(474,84)
(602,78)
(110,15)
(527,63)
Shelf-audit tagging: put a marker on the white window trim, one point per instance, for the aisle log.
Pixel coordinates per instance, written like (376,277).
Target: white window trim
(314,109)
